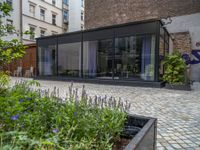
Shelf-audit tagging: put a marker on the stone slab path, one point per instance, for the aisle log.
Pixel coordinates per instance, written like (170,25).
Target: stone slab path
(178,112)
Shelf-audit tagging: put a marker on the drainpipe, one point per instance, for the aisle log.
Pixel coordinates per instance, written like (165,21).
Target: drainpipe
(20,27)
(20,24)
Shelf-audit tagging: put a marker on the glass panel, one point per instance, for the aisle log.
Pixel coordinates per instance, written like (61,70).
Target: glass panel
(166,37)
(135,57)
(47,57)
(161,56)
(162,32)
(69,59)
(148,57)
(127,58)
(97,59)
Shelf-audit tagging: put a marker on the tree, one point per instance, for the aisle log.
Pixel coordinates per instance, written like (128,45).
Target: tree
(13,49)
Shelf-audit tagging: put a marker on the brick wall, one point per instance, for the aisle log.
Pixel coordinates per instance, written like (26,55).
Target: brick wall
(100,13)
(182,42)
(26,62)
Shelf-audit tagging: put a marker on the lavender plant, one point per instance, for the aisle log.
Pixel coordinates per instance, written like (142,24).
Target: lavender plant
(32,118)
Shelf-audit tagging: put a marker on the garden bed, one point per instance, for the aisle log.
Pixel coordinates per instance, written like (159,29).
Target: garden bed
(40,119)
(184,87)
(139,133)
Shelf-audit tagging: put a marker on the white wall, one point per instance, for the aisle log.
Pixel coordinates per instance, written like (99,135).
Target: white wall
(191,24)
(75,15)
(75,22)
(14,16)
(47,23)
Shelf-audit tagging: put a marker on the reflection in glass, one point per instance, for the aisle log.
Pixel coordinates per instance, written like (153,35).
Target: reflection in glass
(69,59)
(127,58)
(161,56)
(97,59)
(47,59)
(134,57)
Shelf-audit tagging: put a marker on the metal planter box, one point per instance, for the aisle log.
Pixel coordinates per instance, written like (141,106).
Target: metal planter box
(142,132)
(185,87)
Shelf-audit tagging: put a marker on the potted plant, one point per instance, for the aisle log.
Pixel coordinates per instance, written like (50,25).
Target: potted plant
(175,73)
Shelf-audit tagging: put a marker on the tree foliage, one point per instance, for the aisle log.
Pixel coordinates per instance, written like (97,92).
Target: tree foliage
(12,49)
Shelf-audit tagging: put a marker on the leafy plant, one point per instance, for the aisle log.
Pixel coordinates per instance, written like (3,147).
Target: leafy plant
(4,81)
(175,69)
(34,119)
(12,49)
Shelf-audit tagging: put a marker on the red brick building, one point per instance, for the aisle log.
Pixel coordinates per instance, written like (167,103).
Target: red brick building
(109,12)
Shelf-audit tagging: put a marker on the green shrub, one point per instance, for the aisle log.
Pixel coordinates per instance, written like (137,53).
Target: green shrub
(4,81)
(31,121)
(175,69)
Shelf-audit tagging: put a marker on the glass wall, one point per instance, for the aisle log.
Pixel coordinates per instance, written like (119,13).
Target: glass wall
(69,59)
(135,57)
(163,50)
(128,52)
(97,59)
(47,57)
(161,56)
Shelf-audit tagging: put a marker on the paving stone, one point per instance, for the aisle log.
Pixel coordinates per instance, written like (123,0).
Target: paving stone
(176,146)
(185,145)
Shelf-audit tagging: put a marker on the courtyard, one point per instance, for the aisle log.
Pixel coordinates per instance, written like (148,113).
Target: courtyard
(177,111)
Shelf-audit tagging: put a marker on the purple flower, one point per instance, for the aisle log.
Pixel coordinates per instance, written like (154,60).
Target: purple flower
(75,114)
(28,98)
(21,100)
(55,130)
(15,117)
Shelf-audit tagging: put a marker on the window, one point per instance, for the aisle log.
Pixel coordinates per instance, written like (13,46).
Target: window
(32,35)
(9,24)
(65,16)
(9,2)
(42,14)
(82,3)
(32,10)
(47,57)
(69,59)
(82,16)
(134,57)
(97,59)
(42,33)
(53,19)
(54,2)
(66,2)
(82,27)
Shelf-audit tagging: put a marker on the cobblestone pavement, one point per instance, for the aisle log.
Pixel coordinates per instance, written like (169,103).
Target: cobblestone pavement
(178,112)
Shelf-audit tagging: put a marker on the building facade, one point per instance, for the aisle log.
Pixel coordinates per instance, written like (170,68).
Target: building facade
(126,53)
(180,17)
(44,17)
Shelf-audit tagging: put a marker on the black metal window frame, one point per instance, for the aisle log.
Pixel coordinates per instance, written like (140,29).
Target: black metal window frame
(130,29)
